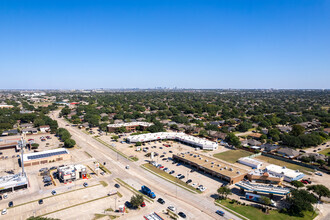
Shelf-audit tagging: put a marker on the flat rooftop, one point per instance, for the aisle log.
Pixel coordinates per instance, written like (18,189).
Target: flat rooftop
(283,170)
(12,181)
(173,136)
(146,124)
(216,165)
(263,188)
(249,160)
(44,154)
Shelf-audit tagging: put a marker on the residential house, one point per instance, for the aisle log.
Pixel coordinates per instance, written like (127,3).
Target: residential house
(44,128)
(26,125)
(284,128)
(315,155)
(29,131)
(251,142)
(10,132)
(269,147)
(264,131)
(288,152)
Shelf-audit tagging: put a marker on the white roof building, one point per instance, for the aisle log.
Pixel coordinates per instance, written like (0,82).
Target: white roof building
(288,174)
(137,123)
(188,139)
(13,182)
(250,162)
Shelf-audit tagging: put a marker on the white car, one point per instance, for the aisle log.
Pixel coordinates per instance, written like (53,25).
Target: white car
(202,189)
(4,212)
(5,196)
(54,193)
(172,208)
(319,173)
(194,184)
(178,176)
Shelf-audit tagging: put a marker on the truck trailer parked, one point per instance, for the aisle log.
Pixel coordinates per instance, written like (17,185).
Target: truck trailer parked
(148,192)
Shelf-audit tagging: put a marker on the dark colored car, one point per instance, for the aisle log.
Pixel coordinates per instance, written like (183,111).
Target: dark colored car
(182,215)
(162,156)
(41,202)
(220,212)
(11,204)
(161,201)
(181,177)
(171,172)
(189,181)
(117,185)
(128,205)
(47,184)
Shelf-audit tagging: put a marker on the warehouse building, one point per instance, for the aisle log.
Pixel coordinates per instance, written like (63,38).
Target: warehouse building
(72,172)
(45,157)
(288,174)
(216,168)
(11,183)
(181,137)
(255,164)
(130,126)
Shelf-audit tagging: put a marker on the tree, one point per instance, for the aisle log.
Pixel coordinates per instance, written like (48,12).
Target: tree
(320,190)
(232,139)
(69,143)
(265,200)
(297,184)
(224,191)
(321,162)
(138,144)
(115,137)
(121,130)
(34,146)
(297,130)
(300,201)
(244,126)
(137,200)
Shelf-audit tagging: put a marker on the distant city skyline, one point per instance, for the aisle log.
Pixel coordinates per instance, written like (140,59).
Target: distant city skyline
(237,44)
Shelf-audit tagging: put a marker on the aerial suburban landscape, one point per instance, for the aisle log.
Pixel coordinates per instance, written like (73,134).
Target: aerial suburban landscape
(164,110)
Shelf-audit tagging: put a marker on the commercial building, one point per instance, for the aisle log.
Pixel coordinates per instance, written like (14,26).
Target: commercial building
(6,106)
(45,157)
(288,174)
(10,142)
(11,183)
(262,188)
(30,131)
(261,176)
(216,168)
(130,126)
(72,172)
(181,137)
(256,164)
(44,128)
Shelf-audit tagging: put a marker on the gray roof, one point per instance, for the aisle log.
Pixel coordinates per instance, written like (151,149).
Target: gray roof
(288,152)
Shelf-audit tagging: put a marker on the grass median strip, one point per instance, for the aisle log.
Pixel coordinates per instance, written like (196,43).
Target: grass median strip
(53,196)
(113,148)
(93,200)
(132,189)
(169,177)
(249,212)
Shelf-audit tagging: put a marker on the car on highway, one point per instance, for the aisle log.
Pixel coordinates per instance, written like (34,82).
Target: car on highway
(161,201)
(172,208)
(182,215)
(54,193)
(117,185)
(11,204)
(221,213)
(4,212)
(41,202)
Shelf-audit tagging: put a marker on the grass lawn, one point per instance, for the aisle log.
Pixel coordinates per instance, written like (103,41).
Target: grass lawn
(325,152)
(283,163)
(169,177)
(256,214)
(232,156)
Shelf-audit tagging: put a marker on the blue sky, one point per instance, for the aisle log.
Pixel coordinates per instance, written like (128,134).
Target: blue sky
(146,44)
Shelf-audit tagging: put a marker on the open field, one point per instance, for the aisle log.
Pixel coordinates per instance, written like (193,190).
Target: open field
(232,156)
(325,152)
(283,163)
(256,214)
